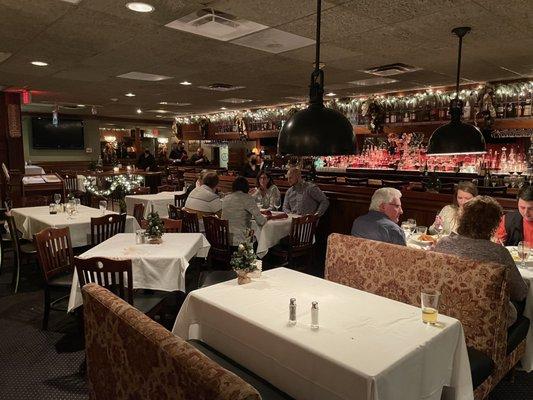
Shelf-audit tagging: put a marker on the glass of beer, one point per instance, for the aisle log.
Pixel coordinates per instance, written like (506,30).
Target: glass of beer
(430,306)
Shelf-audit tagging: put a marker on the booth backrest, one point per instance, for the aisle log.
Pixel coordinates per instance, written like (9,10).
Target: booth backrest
(130,356)
(473,292)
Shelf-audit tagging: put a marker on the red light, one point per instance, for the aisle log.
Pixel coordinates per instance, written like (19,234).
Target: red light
(26,97)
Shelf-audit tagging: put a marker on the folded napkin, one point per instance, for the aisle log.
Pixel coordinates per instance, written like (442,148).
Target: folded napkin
(279,216)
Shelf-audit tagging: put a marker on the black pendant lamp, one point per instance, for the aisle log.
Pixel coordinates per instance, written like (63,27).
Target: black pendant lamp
(456,137)
(317,130)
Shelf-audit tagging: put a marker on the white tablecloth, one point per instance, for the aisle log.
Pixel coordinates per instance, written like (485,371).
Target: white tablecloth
(31,220)
(154,266)
(271,233)
(160,201)
(527,274)
(33,170)
(368,347)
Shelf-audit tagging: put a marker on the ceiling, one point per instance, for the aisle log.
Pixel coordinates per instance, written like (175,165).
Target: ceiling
(87,45)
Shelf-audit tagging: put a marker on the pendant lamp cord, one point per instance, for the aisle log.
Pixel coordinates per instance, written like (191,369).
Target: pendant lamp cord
(458,66)
(317,46)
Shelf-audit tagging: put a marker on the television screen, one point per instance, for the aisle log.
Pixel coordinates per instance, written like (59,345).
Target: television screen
(68,134)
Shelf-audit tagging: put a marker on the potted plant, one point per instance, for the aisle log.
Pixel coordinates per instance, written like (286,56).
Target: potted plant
(155,228)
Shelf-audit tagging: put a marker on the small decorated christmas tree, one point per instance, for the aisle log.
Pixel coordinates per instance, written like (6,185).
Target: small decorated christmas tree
(155,227)
(243,261)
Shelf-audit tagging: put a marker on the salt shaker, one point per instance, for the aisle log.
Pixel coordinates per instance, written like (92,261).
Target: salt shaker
(314,315)
(292,312)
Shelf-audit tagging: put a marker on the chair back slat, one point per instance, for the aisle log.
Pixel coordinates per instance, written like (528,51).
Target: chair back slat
(190,222)
(106,226)
(172,225)
(166,188)
(13,232)
(174,212)
(217,232)
(107,273)
(179,200)
(71,183)
(138,211)
(303,230)
(54,251)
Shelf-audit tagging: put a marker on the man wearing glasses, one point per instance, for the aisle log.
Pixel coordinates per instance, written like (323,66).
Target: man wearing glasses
(381,221)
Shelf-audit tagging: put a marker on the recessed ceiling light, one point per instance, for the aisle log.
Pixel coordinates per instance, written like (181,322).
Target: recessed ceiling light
(331,94)
(159,116)
(130,94)
(114,99)
(80,105)
(139,111)
(39,63)
(163,103)
(140,7)
(185,83)
(223,108)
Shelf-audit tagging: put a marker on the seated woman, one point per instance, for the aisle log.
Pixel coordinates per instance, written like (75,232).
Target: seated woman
(449,215)
(238,208)
(477,223)
(266,192)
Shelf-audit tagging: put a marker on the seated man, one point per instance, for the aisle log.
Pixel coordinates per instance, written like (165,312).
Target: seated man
(146,161)
(303,197)
(199,157)
(178,153)
(517,226)
(203,200)
(381,221)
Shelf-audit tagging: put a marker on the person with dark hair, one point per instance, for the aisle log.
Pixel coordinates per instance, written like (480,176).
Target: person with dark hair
(204,200)
(178,153)
(266,193)
(146,161)
(449,215)
(199,157)
(251,169)
(238,208)
(477,223)
(517,226)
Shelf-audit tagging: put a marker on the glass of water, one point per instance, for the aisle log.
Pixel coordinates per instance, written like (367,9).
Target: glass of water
(103,206)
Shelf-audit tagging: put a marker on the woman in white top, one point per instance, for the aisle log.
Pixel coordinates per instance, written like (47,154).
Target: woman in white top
(266,193)
(449,215)
(238,208)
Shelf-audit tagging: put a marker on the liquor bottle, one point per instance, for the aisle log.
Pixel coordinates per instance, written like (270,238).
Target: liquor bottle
(527,108)
(510,110)
(406,117)
(393,116)
(500,110)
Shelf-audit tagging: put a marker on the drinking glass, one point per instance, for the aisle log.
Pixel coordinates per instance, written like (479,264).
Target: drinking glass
(439,228)
(57,198)
(407,228)
(421,229)
(430,306)
(523,252)
(276,203)
(77,203)
(52,208)
(103,206)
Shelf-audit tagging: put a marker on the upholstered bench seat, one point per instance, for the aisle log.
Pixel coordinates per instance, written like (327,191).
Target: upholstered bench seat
(481,366)
(517,333)
(265,389)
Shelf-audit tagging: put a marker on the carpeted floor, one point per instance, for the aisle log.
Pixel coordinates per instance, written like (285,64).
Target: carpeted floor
(36,364)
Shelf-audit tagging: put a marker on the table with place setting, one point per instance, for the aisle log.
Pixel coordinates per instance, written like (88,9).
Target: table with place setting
(272,232)
(31,220)
(358,345)
(159,201)
(154,266)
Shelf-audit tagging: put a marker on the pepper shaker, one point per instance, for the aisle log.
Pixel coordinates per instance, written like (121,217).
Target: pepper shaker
(292,312)
(314,315)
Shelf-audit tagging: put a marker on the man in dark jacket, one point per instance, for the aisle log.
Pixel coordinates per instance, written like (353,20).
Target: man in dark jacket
(517,226)
(146,161)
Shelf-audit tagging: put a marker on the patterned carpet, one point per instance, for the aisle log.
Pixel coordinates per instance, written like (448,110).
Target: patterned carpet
(38,364)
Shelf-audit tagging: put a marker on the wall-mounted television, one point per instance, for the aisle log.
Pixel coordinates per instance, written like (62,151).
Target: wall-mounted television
(68,134)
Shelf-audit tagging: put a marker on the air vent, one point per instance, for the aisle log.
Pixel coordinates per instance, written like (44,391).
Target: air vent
(215,24)
(391,69)
(221,87)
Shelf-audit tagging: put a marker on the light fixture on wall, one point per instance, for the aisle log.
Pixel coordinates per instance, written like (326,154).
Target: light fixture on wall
(317,130)
(110,138)
(456,137)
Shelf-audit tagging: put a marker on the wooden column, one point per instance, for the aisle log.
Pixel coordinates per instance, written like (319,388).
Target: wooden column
(11,148)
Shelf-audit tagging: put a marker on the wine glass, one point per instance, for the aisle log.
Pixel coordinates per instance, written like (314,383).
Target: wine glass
(276,203)
(103,206)
(407,228)
(57,198)
(439,229)
(494,180)
(523,252)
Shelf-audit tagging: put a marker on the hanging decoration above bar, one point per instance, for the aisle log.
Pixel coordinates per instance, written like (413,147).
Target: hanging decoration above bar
(473,95)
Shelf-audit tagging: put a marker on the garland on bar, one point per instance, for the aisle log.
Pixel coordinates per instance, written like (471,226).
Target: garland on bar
(347,105)
(124,182)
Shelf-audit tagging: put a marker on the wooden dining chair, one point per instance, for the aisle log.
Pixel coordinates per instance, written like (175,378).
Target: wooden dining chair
(190,222)
(35,201)
(217,234)
(141,190)
(106,226)
(172,225)
(179,200)
(138,212)
(300,240)
(56,259)
(174,212)
(117,277)
(166,188)
(95,201)
(23,251)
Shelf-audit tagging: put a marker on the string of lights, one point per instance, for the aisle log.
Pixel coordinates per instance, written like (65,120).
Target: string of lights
(127,181)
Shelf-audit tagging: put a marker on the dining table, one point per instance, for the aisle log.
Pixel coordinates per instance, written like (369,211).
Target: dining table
(31,220)
(154,266)
(365,347)
(159,202)
(272,232)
